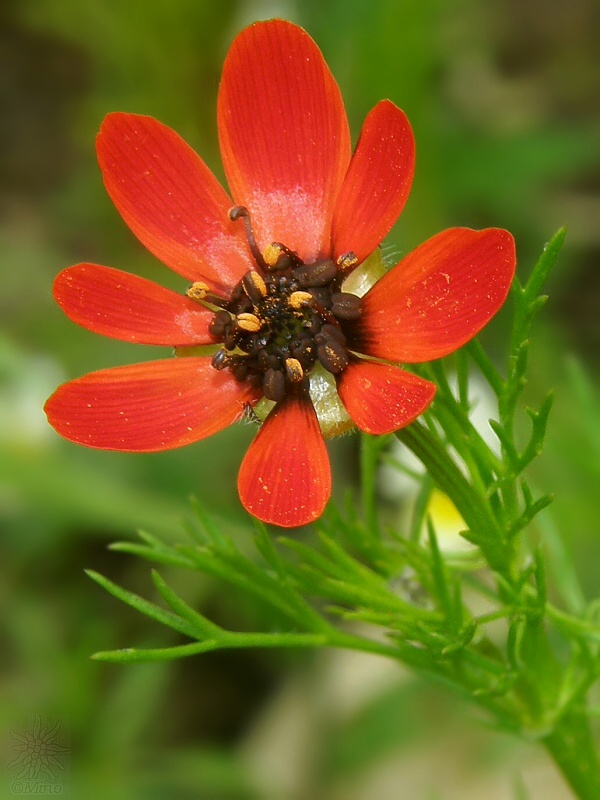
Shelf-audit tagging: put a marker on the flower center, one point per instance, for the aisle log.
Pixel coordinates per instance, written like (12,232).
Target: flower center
(284,317)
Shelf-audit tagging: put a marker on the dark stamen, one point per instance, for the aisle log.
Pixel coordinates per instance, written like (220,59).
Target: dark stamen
(325,315)
(319,274)
(255,286)
(293,369)
(220,359)
(230,337)
(241,212)
(322,296)
(347,261)
(330,332)
(280,257)
(345,305)
(240,369)
(274,385)
(199,292)
(333,356)
(283,317)
(219,322)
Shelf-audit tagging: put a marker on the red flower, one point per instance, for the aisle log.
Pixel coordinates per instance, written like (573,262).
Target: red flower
(267,278)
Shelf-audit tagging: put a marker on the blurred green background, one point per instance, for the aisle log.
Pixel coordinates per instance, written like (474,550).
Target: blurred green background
(504,98)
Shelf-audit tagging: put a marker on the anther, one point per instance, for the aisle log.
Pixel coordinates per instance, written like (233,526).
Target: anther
(300,299)
(218,323)
(200,293)
(321,296)
(220,359)
(271,254)
(278,256)
(333,356)
(241,212)
(319,274)
(294,370)
(197,291)
(254,286)
(345,305)
(323,315)
(347,260)
(328,332)
(239,368)
(248,322)
(274,385)
(268,361)
(305,353)
(230,337)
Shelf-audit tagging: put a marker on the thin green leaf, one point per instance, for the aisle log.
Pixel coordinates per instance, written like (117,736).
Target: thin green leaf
(138,655)
(204,628)
(485,365)
(440,577)
(238,570)
(420,508)
(506,442)
(167,556)
(144,606)
(310,556)
(540,578)
(210,530)
(264,545)
(545,264)
(530,512)
(539,423)
(462,378)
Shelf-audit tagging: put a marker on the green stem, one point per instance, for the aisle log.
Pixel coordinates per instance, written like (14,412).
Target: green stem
(369,459)
(574,751)
(473,507)
(486,367)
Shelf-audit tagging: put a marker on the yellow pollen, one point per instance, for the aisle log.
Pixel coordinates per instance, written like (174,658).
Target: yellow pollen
(257,281)
(248,322)
(197,291)
(300,299)
(271,254)
(333,357)
(294,370)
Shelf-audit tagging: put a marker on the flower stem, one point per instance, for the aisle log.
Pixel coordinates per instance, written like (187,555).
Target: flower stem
(369,459)
(473,507)
(572,747)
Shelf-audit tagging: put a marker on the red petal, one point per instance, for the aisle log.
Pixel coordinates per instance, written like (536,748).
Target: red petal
(130,308)
(438,297)
(285,478)
(381,399)
(148,407)
(377,184)
(284,135)
(171,200)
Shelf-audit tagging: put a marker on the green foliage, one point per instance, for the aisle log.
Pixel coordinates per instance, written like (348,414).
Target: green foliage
(506,120)
(419,605)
